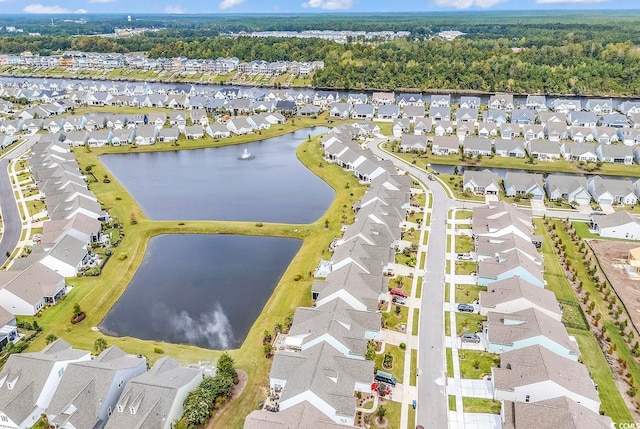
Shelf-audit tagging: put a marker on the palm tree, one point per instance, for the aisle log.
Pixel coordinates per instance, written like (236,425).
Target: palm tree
(100,345)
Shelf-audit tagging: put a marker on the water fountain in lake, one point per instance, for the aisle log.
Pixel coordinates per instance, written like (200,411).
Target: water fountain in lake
(246,156)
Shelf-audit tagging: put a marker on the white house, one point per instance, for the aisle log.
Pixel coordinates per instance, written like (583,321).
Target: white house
(620,224)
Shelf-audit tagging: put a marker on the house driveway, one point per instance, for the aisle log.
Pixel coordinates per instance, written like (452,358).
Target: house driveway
(482,421)
(607,208)
(470,388)
(537,207)
(584,208)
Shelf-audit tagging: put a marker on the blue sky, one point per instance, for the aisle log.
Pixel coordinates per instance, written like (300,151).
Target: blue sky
(298,6)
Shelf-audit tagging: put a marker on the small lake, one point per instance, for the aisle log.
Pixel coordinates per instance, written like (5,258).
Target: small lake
(205,290)
(212,184)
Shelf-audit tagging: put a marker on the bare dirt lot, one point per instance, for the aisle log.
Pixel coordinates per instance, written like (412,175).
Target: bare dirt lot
(611,255)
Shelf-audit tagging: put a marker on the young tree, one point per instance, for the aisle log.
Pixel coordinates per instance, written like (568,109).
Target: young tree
(100,345)
(50,338)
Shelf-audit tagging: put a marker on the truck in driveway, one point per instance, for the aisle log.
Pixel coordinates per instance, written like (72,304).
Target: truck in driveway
(398,292)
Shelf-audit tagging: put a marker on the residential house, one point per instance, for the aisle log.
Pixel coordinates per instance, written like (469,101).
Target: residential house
(582,119)
(168,135)
(611,191)
(509,131)
(466,115)
(178,119)
(533,132)
(292,417)
(363,111)
(565,106)
(487,130)
(443,128)
(26,292)
(574,151)
(199,117)
(620,224)
(404,100)
(439,113)
(509,148)
(146,134)
(571,188)
(615,120)
(530,327)
(558,412)
(29,381)
(599,106)
(629,136)
(515,294)
(556,131)
(68,256)
(340,110)
(88,390)
(534,373)
(154,399)
(388,112)
(357,98)
(383,98)
(413,113)
(536,102)
(194,132)
(500,219)
(481,182)
(445,145)
(523,116)
(494,116)
(413,143)
(509,264)
(218,131)
(552,117)
(309,110)
(465,129)
(488,247)
(476,147)
(467,102)
(8,328)
(501,101)
(441,100)
(99,138)
(581,134)
(239,126)
(629,107)
(423,126)
(524,185)
(606,135)
(615,154)
(122,137)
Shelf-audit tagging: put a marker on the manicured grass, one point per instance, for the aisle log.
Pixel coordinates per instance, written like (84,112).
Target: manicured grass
(464,214)
(553,272)
(572,317)
(592,357)
(402,282)
(420,199)
(464,244)
(582,228)
(35,207)
(447,292)
(452,403)
(414,367)
(480,405)
(449,363)
(416,319)
(403,259)
(466,268)
(468,293)
(447,323)
(419,287)
(475,364)
(395,322)
(92,294)
(412,234)
(469,322)
(394,410)
(398,361)
(411,417)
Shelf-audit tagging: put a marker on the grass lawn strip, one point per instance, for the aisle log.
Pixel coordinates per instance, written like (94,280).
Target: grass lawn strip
(468,293)
(475,364)
(450,363)
(480,405)
(469,322)
(553,272)
(98,294)
(398,362)
(414,367)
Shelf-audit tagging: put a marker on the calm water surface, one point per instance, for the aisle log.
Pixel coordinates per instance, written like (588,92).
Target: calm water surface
(212,184)
(205,290)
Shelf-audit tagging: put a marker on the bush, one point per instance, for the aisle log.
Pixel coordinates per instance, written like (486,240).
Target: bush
(297,277)
(403,346)
(158,350)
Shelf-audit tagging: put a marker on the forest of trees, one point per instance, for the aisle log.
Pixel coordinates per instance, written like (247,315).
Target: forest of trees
(576,53)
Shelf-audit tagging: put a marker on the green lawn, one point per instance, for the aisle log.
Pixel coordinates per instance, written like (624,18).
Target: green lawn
(464,214)
(452,403)
(466,268)
(590,355)
(480,405)
(419,287)
(416,319)
(398,361)
(469,322)
(420,199)
(572,316)
(468,293)
(475,364)
(402,282)
(582,228)
(395,320)
(447,323)
(464,244)
(393,416)
(449,363)
(35,207)
(553,272)
(414,367)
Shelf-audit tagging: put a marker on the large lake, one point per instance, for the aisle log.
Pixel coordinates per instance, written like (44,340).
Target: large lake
(212,184)
(205,290)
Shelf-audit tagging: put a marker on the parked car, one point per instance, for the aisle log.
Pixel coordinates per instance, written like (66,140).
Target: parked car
(400,300)
(398,292)
(466,308)
(470,338)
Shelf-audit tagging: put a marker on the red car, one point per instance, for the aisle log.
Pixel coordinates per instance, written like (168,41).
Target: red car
(398,292)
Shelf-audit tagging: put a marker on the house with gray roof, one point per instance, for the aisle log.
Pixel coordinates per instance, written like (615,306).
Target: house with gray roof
(629,136)
(472,146)
(509,264)
(467,115)
(445,145)
(570,187)
(157,118)
(509,148)
(239,126)
(122,137)
(629,107)
(324,377)
(423,126)
(154,399)
(487,247)
(439,113)
(574,151)
(443,128)
(516,294)
(400,126)
(536,102)
(309,110)
(146,135)
(340,110)
(194,132)
(293,417)
(501,101)
(615,154)
(337,324)
(413,143)
(582,119)
(464,129)
(363,111)
(615,120)
(509,131)
(534,373)
(413,113)
(467,102)
(562,105)
(361,290)
(533,132)
(581,134)
(28,382)
(507,332)
(388,112)
(481,182)
(84,228)
(612,191)
(487,129)
(218,131)
(498,219)
(441,100)
(524,184)
(606,135)
(551,413)
(25,292)
(404,100)
(88,390)
(8,327)
(67,257)
(620,224)
(168,135)
(556,131)
(599,106)
(523,116)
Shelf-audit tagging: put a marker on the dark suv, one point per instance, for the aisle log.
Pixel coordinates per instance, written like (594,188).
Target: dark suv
(466,308)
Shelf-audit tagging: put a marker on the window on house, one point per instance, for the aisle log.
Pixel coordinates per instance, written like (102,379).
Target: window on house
(120,382)
(527,398)
(4,418)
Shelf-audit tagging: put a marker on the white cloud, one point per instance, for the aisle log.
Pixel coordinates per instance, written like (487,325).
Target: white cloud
(466,4)
(228,4)
(174,9)
(568,1)
(100,1)
(80,11)
(40,8)
(329,4)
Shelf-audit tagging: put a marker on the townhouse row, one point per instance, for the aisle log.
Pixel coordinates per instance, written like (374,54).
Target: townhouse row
(539,372)
(77,391)
(321,368)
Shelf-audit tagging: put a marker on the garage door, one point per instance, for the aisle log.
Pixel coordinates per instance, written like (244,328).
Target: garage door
(583,200)
(605,201)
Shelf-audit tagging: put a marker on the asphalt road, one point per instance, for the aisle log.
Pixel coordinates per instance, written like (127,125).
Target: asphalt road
(12,222)
(432,410)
